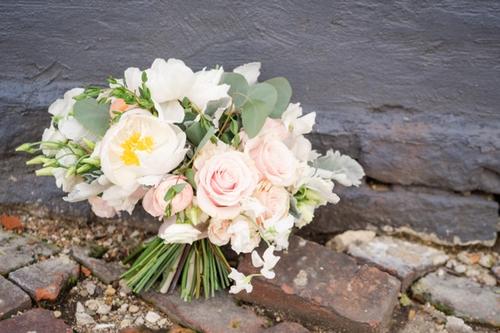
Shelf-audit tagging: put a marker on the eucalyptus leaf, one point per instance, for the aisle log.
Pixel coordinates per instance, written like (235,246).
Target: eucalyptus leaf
(213,106)
(173,191)
(92,115)
(195,133)
(209,134)
(238,87)
(284,91)
(190,177)
(260,102)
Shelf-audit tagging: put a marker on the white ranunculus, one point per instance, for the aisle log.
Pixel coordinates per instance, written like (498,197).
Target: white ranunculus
(296,123)
(250,71)
(181,233)
(140,145)
(244,235)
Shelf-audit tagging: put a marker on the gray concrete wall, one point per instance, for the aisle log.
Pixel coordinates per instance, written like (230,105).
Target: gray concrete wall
(411,88)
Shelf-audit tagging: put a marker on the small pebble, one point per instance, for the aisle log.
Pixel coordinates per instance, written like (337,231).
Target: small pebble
(125,323)
(472,272)
(152,317)
(80,308)
(162,322)
(57,314)
(439,259)
(83,293)
(90,287)
(139,321)
(123,308)
(487,261)
(104,309)
(488,279)
(460,269)
(496,271)
(92,305)
(110,291)
(84,319)
(133,308)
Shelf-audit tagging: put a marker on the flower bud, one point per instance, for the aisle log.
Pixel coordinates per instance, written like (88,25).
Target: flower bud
(45,171)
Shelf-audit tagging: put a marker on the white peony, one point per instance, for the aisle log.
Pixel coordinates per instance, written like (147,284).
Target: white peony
(140,148)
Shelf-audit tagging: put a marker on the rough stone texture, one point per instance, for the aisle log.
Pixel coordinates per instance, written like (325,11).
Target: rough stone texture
(17,251)
(324,287)
(107,272)
(408,261)
(460,297)
(440,216)
(287,327)
(217,314)
(35,320)
(340,242)
(45,280)
(409,88)
(12,299)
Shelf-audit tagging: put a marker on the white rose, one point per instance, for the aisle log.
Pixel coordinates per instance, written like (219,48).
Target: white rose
(140,148)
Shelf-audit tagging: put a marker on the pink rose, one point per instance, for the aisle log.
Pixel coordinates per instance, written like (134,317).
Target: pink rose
(217,232)
(223,181)
(273,159)
(101,208)
(276,201)
(154,201)
(118,105)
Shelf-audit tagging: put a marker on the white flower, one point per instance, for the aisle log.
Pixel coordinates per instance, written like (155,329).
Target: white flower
(267,262)
(171,81)
(64,181)
(244,235)
(241,281)
(279,231)
(52,134)
(68,126)
(250,71)
(85,191)
(184,233)
(140,145)
(296,123)
(123,198)
(341,168)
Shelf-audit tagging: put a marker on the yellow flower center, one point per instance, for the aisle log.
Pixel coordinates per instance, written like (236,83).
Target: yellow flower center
(133,144)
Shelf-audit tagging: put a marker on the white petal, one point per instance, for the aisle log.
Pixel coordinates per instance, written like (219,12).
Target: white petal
(250,71)
(171,112)
(133,78)
(257,260)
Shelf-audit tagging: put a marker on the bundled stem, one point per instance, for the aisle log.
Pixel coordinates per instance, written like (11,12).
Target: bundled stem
(201,268)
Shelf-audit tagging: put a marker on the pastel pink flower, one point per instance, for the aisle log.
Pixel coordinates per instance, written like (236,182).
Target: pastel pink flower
(223,181)
(276,201)
(154,201)
(218,232)
(101,208)
(275,162)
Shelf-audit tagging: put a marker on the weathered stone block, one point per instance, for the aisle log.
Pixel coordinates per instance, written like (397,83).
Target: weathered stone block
(12,299)
(45,280)
(440,216)
(107,272)
(17,251)
(323,287)
(287,327)
(408,261)
(36,320)
(214,315)
(461,297)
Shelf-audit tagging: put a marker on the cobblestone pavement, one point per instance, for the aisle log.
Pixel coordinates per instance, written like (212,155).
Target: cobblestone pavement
(59,276)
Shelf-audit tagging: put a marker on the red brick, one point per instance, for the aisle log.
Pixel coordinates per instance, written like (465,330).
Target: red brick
(35,320)
(320,286)
(11,222)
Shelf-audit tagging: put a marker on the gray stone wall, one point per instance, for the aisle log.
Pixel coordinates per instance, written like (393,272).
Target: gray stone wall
(410,88)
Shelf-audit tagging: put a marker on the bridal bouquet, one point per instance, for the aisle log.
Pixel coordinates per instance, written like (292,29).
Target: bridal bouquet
(218,157)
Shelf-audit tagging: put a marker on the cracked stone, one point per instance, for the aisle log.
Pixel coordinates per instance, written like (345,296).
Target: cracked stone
(36,320)
(12,299)
(45,280)
(338,292)
(340,242)
(460,296)
(408,261)
(214,315)
(17,251)
(107,272)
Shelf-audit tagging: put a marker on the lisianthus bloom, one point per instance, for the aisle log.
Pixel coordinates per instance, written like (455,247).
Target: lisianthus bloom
(141,149)
(223,182)
(154,201)
(182,233)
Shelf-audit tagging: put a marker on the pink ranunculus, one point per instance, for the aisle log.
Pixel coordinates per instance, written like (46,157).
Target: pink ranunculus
(275,162)
(101,208)
(217,232)
(154,201)
(276,201)
(223,181)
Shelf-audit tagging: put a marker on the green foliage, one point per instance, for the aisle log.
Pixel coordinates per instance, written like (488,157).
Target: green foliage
(238,87)
(284,91)
(89,92)
(92,115)
(259,104)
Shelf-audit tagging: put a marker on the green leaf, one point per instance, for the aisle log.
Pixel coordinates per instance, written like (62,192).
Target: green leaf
(195,133)
(92,115)
(213,106)
(190,177)
(173,191)
(284,91)
(259,104)
(210,133)
(238,87)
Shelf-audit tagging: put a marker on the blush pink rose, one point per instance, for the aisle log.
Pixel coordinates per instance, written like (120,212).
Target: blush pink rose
(154,201)
(275,162)
(118,105)
(217,232)
(223,181)
(276,201)
(101,208)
